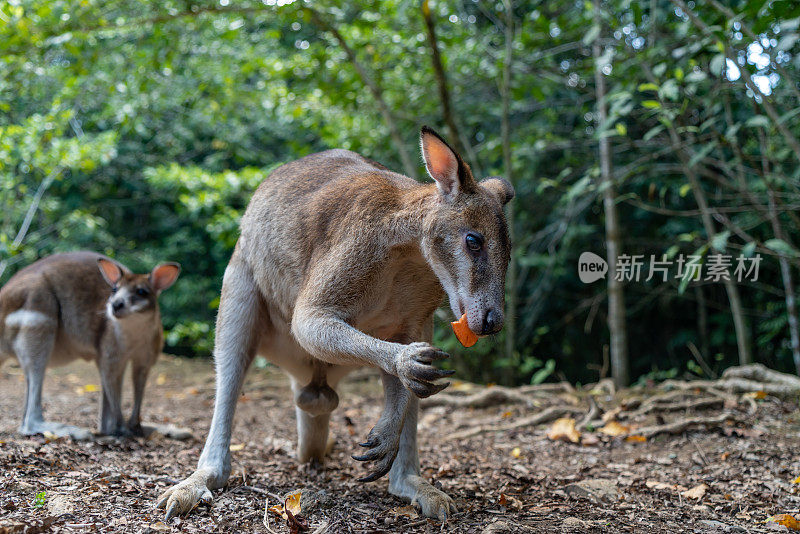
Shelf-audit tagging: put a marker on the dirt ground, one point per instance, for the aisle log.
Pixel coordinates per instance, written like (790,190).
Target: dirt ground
(729,478)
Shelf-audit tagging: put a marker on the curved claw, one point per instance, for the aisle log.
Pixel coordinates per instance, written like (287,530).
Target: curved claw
(172,511)
(432,356)
(384,468)
(428,373)
(424,390)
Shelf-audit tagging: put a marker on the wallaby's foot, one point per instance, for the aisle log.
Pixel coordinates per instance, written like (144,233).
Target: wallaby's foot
(58,429)
(383,442)
(168,431)
(416,371)
(433,502)
(181,498)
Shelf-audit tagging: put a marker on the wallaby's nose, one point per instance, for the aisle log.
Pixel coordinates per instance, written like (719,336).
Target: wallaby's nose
(117,305)
(493,322)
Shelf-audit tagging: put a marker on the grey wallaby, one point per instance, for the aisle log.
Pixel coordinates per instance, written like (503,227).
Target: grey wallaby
(84,305)
(341,264)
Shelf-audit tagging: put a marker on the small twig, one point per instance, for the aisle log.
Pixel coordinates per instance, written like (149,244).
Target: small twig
(544,416)
(260,492)
(265,519)
(699,450)
(590,415)
(699,357)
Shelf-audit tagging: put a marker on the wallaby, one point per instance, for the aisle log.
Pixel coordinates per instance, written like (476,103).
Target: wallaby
(84,305)
(341,263)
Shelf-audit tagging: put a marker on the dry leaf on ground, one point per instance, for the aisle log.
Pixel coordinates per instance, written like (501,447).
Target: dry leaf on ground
(696,492)
(564,429)
(614,428)
(787,520)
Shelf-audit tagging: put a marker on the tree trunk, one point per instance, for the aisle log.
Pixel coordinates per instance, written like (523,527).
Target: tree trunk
(409,166)
(616,294)
(786,270)
(459,141)
(511,355)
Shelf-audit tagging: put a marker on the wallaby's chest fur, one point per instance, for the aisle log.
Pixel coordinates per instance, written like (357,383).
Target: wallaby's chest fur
(312,216)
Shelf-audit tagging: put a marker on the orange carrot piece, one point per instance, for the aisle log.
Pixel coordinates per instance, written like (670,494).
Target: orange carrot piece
(463,333)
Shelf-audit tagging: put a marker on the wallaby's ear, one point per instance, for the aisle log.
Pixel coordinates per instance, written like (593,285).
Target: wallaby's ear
(499,187)
(445,166)
(110,271)
(164,275)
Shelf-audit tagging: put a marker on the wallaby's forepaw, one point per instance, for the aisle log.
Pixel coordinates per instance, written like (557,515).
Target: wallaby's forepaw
(416,371)
(433,502)
(383,442)
(181,498)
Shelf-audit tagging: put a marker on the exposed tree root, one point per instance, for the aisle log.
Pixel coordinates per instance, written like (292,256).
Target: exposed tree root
(676,427)
(743,379)
(483,399)
(545,416)
(688,404)
(761,373)
(497,395)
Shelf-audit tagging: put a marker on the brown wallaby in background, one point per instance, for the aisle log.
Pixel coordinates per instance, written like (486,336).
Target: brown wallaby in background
(84,305)
(341,263)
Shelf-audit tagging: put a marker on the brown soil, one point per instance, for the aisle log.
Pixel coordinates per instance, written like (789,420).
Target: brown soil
(510,481)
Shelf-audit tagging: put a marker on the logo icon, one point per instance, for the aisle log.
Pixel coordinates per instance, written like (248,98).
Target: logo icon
(591,267)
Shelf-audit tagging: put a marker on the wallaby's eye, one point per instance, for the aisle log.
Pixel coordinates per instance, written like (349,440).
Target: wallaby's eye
(142,292)
(474,242)
(113,289)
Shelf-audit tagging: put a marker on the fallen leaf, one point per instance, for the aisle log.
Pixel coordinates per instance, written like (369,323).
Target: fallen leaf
(696,492)
(91,388)
(507,414)
(159,526)
(614,428)
(279,511)
(564,429)
(237,447)
(161,379)
(758,395)
(516,452)
(796,481)
(509,501)
(589,440)
(636,439)
(724,456)
(787,520)
(293,502)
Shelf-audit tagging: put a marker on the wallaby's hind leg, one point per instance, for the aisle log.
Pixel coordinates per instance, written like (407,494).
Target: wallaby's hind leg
(235,343)
(33,346)
(404,477)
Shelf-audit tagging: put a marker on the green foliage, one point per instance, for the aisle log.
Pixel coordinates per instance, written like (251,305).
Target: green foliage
(147,126)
